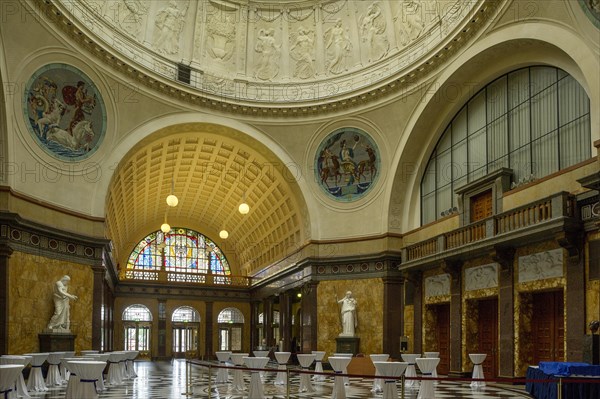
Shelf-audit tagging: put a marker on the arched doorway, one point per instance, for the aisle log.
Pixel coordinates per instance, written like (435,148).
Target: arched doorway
(230,323)
(185,324)
(137,324)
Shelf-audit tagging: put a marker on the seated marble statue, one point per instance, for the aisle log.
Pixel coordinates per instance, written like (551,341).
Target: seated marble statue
(60,319)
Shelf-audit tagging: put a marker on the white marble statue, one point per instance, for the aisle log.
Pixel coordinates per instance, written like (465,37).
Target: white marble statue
(60,319)
(348,315)
(169,23)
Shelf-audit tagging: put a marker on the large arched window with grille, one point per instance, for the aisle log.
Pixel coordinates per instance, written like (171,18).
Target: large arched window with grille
(137,324)
(182,253)
(534,120)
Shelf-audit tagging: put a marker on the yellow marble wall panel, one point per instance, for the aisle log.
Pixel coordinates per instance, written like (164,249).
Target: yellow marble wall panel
(409,326)
(30,304)
(429,328)
(592,293)
(470,329)
(369,296)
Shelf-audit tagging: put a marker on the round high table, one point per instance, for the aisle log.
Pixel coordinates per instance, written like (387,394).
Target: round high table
(477,359)
(434,373)
(114,376)
(305,361)
(282,359)
(319,365)
(53,377)
(9,375)
(87,371)
(23,361)
(63,370)
(255,389)
(238,376)
(131,355)
(345,371)
(378,382)
(339,364)
(222,374)
(261,353)
(427,365)
(36,379)
(390,369)
(99,357)
(411,372)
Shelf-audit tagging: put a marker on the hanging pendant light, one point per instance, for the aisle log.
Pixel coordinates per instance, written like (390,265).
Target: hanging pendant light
(244,208)
(172,199)
(165,227)
(223,234)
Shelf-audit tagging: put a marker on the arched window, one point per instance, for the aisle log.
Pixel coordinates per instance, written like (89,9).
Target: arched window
(185,314)
(137,325)
(534,120)
(180,250)
(231,323)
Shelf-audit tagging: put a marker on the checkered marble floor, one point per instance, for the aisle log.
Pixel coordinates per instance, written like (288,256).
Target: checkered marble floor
(167,380)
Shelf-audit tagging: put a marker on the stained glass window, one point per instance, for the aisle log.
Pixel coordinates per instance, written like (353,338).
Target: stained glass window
(137,313)
(181,250)
(230,315)
(185,314)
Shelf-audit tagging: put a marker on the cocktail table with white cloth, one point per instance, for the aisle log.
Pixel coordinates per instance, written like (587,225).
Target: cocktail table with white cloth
(434,373)
(87,371)
(378,382)
(477,359)
(53,378)
(261,353)
(238,376)
(9,375)
(411,371)
(63,370)
(99,357)
(305,361)
(319,365)
(222,373)
(22,361)
(36,378)
(345,371)
(427,365)
(390,369)
(282,359)
(114,377)
(339,364)
(255,389)
(131,355)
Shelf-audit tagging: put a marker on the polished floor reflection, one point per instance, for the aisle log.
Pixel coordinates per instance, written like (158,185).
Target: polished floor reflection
(167,380)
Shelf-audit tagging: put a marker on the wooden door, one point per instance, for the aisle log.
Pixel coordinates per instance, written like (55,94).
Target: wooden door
(443,338)
(548,327)
(488,335)
(481,206)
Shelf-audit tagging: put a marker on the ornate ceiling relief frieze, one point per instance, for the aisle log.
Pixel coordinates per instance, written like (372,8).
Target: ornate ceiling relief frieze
(295,54)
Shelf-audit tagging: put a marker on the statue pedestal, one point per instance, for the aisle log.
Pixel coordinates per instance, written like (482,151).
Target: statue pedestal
(347,345)
(57,342)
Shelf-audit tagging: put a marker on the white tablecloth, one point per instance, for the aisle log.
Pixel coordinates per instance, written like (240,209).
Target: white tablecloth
(9,375)
(434,373)
(36,379)
(99,357)
(477,359)
(282,359)
(427,365)
(63,370)
(114,377)
(261,353)
(85,385)
(378,382)
(23,361)
(345,371)
(411,371)
(305,361)
(390,369)
(222,374)
(53,378)
(256,390)
(131,355)
(319,365)
(339,364)
(238,376)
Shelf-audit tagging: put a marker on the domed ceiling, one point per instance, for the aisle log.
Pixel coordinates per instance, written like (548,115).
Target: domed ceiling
(281,57)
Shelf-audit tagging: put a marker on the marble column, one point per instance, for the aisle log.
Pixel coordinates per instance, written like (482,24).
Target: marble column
(98,301)
(5,253)
(309,317)
(575,291)
(285,319)
(505,257)
(393,314)
(208,330)
(453,268)
(268,321)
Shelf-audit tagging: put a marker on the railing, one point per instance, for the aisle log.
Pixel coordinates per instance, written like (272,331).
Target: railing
(143,275)
(543,210)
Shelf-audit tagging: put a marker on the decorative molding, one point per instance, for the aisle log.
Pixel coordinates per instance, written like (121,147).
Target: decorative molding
(541,265)
(504,256)
(438,285)
(180,292)
(481,277)
(572,242)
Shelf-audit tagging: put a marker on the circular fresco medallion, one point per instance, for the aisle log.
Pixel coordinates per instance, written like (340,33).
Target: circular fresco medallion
(64,111)
(347,164)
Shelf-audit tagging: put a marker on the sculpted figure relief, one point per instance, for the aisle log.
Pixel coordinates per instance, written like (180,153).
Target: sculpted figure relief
(133,15)
(372,30)
(169,23)
(268,63)
(302,52)
(338,48)
(221,37)
(61,317)
(348,315)
(409,19)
